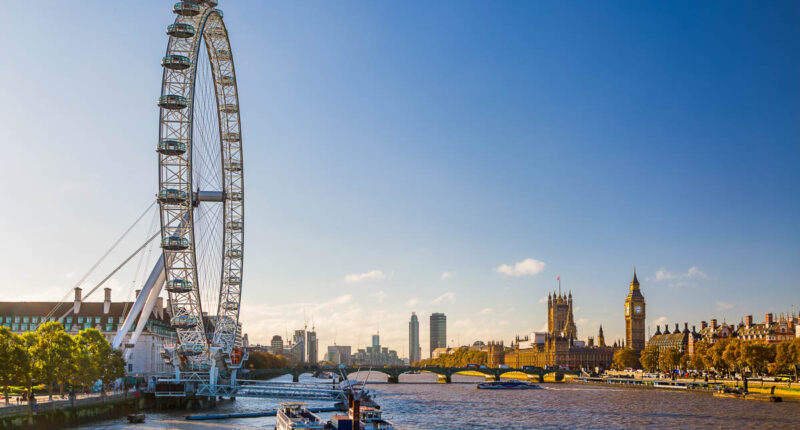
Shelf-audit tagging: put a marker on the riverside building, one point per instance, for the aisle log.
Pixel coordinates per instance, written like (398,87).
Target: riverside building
(414,350)
(438,337)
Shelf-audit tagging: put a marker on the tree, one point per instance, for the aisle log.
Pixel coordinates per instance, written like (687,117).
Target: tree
(93,352)
(733,355)
(625,358)
(53,354)
(757,356)
(697,360)
(13,356)
(786,358)
(650,358)
(265,360)
(27,366)
(715,356)
(670,359)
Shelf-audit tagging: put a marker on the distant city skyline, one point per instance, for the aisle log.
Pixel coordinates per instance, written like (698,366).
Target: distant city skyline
(451,157)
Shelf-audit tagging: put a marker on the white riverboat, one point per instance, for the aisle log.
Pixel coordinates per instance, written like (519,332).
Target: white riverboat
(294,415)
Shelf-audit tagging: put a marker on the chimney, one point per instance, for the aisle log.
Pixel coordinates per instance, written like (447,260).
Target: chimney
(693,329)
(107,301)
(77,304)
(159,307)
(686,327)
(703,325)
(666,328)
(768,318)
(748,321)
(677,328)
(713,324)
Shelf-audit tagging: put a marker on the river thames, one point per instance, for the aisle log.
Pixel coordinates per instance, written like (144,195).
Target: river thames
(417,403)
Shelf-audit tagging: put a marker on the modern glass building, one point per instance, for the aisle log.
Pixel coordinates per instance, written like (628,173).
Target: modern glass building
(438,331)
(413,339)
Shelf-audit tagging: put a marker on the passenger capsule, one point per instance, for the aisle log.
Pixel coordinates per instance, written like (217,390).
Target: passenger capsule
(180,30)
(191,349)
(174,243)
(184,321)
(173,102)
(234,280)
(198,367)
(233,166)
(172,196)
(171,147)
(229,108)
(236,196)
(226,80)
(221,15)
(235,225)
(176,62)
(223,54)
(186,8)
(234,253)
(179,286)
(230,306)
(231,136)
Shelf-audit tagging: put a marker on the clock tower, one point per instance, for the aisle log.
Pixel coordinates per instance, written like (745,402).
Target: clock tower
(634,316)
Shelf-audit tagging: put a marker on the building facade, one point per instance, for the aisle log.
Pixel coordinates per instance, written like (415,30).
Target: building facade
(107,317)
(413,339)
(313,346)
(634,316)
(438,338)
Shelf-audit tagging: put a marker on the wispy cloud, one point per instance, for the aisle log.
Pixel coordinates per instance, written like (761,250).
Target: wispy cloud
(373,275)
(380,295)
(526,267)
(724,306)
(486,311)
(543,299)
(448,296)
(412,301)
(693,272)
(448,275)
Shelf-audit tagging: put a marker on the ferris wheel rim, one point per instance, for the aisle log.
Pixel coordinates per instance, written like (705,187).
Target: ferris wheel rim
(176,145)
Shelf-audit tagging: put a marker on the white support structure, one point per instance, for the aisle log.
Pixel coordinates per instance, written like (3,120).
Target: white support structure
(154,282)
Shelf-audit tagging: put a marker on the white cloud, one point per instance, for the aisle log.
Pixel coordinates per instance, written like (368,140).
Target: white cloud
(448,275)
(725,306)
(412,301)
(380,295)
(693,272)
(543,300)
(486,311)
(528,266)
(449,296)
(660,321)
(373,275)
(582,321)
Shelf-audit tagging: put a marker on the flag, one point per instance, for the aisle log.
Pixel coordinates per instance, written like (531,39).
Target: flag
(559,278)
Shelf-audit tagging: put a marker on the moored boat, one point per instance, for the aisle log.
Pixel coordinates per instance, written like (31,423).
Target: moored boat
(294,415)
(512,384)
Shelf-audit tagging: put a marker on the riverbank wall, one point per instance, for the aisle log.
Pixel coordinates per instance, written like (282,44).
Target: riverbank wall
(59,415)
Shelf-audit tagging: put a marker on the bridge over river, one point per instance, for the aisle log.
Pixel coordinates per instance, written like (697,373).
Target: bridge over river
(394,372)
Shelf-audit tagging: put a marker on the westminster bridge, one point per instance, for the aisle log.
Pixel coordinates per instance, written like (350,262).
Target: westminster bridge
(394,372)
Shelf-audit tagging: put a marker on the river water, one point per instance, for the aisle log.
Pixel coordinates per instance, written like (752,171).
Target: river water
(420,403)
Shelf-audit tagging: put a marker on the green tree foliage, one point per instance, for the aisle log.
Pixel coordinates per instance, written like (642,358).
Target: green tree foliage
(733,355)
(650,358)
(715,356)
(757,356)
(460,358)
(670,359)
(96,359)
(625,358)
(265,360)
(53,355)
(13,358)
(698,360)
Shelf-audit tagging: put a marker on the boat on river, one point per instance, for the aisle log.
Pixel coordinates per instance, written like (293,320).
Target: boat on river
(512,384)
(369,418)
(294,415)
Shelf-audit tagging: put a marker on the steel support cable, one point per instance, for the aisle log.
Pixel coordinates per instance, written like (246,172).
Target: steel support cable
(142,259)
(89,273)
(113,272)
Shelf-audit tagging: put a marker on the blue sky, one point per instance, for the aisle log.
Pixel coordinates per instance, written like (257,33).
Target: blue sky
(408,140)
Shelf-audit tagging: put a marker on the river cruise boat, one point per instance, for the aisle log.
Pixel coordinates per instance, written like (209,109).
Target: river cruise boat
(294,415)
(512,384)
(369,418)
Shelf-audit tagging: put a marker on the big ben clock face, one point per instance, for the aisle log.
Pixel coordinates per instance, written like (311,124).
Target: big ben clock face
(638,309)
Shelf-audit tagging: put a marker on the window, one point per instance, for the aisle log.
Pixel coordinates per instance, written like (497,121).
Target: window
(97,320)
(24,319)
(110,320)
(8,319)
(34,319)
(108,327)
(68,327)
(15,327)
(24,327)
(69,320)
(16,319)
(80,320)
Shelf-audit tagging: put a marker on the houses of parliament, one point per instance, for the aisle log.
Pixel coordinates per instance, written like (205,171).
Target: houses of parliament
(559,345)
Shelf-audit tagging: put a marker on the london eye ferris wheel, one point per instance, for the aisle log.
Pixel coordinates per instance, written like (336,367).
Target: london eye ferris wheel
(201,192)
